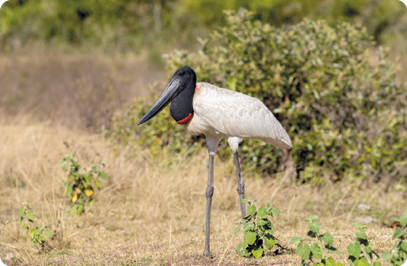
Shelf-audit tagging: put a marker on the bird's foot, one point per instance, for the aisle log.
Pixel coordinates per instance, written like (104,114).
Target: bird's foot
(208,254)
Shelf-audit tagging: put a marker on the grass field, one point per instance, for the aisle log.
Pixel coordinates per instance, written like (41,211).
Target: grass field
(151,212)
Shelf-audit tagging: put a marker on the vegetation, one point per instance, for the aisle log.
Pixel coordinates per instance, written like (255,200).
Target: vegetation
(258,230)
(129,25)
(343,113)
(398,254)
(355,249)
(80,187)
(35,234)
(309,253)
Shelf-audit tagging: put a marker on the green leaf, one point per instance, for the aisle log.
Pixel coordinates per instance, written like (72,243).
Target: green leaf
(244,245)
(357,225)
(354,250)
(313,217)
(316,251)
(332,249)
(377,263)
(403,220)
(368,249)
(275,212)
(328,239)
(361,234)
(295,240)
(269,242)
(398,233)
(261,223)
(30,216)
(303,251)
(270,232)
(386,256)
(250,237)
(245,201)
(21,212)
(330,262)
(103,175)
(48,233)
(257,253)
(314,227)
(237,229)
(251,210)
(268,205)
(262,212)
(403,245)
(239,247)
(362,262)
(97,182)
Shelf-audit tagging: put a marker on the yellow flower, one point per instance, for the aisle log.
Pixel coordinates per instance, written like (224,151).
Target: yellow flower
(89,192)
(74,197)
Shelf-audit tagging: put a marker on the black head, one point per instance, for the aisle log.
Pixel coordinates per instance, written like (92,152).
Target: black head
(184,77)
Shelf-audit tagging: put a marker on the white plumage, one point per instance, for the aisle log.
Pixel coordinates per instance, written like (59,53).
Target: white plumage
(220,113)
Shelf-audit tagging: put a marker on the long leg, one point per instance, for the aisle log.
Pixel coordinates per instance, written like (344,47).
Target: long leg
(209,193)
(240,183)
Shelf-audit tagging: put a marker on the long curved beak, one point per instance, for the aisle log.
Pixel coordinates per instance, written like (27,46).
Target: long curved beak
(169,93)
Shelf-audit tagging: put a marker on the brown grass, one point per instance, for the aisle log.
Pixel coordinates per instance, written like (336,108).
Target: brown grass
(76,89)
(150,214)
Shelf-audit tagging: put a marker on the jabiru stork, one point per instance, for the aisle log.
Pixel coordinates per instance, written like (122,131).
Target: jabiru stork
(205,109)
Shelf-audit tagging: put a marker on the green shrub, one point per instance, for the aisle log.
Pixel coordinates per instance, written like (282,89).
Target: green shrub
(398,254)
(36,234)
(80,185)
(309,254)
(343,113)
(257,229)
(356,255)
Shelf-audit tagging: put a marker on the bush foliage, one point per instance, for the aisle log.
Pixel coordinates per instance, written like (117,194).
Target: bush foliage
(133,24)
(341,105)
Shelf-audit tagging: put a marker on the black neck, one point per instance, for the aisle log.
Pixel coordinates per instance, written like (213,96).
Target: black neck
(182,105)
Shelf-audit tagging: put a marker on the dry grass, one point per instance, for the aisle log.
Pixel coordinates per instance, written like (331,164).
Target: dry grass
(151,214)
(77,89)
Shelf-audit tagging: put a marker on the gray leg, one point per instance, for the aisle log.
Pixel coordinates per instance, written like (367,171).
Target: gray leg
(209,193)
(240,184)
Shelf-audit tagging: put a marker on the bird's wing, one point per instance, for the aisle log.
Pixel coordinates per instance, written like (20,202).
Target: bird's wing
(238,115)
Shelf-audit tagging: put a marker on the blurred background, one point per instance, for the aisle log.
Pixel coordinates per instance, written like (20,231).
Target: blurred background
(83,59)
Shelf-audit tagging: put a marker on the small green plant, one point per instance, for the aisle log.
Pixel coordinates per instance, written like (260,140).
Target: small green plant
(80,187)
(398,254)
(258,229)
(355,249)
(309,253)
(36,234)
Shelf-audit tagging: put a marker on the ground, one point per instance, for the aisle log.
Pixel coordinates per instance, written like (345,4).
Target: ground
(148,213)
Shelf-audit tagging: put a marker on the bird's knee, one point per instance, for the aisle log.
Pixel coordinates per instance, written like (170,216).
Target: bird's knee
(209,191)
(240,188)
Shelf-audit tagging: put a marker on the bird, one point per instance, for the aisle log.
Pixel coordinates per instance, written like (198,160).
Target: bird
(404,2)
(216,113)
(2,2)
